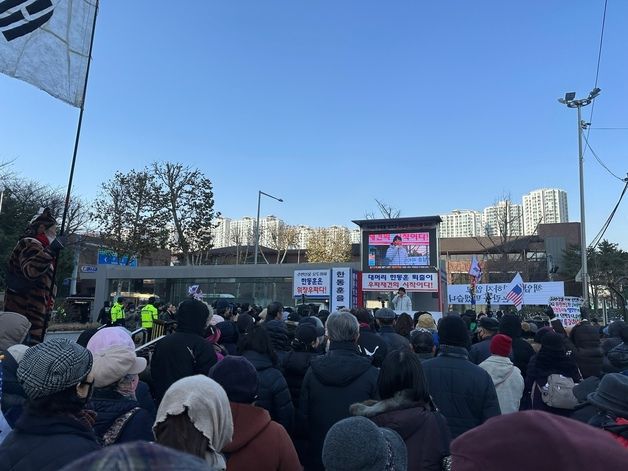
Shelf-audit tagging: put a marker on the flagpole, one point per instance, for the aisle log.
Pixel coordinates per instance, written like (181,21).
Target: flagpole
(77,139)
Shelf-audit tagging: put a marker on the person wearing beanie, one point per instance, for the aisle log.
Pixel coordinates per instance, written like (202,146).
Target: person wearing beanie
(552,359)
(370,343)
(522,351)
(184,353)
(422,341)
(536,440)
(54,429)
(462,391)
(506,377)
(258,442)
(487,329)
(357,444)
(611,401)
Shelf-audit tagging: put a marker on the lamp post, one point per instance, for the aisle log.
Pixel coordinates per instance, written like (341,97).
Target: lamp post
(2,188)
(571,102)
(259,200)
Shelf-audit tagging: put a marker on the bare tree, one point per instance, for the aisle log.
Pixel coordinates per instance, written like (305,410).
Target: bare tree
(281,238)
(242,239)
(386,210)
(187,195)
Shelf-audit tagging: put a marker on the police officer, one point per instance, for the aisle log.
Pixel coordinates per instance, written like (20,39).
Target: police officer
(149,314)
(118,316)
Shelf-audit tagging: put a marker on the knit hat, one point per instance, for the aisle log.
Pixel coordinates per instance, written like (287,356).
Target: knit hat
(244,322)
(138,456)
(114,363)
(426,321)
(510,324)
(357,443)
(553,342)
(53,366)
(453,331)
(612,395)
(306,333)
(238,377)
(501,345)
(316,322)
(489,323)
(385,313)
(541,333)
(504,443)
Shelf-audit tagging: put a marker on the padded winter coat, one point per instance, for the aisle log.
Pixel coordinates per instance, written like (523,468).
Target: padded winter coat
(295,365)
(45,443)
(109,405)
(462,391)
(508,382)
(372,345)
(393,340)
(588,351)
(334,381)
(273,393)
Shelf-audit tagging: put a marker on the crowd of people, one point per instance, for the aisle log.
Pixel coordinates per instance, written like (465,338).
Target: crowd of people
(243,388)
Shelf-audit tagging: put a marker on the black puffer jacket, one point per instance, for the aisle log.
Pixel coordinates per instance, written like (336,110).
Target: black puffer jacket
(333,382)
(463,392)
(295,365)
(45,443)
(182,354)
(393,340)
(273,394)
(480,351)
(372,345)
(522,351)
(13,396)
(617,359)
(278,336)
(588,352)
(109,405)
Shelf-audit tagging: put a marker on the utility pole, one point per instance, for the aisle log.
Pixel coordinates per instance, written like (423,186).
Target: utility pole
(259,200)
(571,102)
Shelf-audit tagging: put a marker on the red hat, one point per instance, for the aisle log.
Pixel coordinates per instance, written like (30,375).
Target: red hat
(501,345)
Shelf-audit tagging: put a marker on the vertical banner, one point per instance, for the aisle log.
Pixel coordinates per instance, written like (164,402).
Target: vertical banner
(356,289)
(341,292)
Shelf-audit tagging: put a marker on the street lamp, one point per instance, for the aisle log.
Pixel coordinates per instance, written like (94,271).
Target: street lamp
(259,199)
(2,188)
(571,102)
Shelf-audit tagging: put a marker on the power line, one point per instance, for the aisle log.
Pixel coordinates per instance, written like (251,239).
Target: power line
(610,129)
(596,240)
(600,160)
(597,69)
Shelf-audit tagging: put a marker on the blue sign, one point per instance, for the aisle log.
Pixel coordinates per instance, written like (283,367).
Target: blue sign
(109,257)
(89,269)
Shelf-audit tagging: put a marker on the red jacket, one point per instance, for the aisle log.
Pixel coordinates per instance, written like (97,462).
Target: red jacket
(258,442)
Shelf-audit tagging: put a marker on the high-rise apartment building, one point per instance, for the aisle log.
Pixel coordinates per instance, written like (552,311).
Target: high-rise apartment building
(221,232)
(544,206)
(503,219)
(461,223)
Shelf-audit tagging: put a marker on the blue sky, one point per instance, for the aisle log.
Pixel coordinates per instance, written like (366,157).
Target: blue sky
(428,106)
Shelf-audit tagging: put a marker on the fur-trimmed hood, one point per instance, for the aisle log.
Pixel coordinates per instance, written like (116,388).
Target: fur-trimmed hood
(370,409)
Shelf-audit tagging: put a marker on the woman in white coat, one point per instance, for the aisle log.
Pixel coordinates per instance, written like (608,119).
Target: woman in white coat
(506,376)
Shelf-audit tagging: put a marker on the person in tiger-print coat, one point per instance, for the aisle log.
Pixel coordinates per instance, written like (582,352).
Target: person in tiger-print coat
(30,271)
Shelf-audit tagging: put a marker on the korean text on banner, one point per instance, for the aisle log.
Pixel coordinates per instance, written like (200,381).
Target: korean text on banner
(567,309)
(341,289)
(533,293)
(46,43)
(311,283)
(412,282)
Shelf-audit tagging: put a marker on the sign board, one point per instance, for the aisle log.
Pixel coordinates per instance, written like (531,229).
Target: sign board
(412,282)
(89,269)
(311,283)
(341,289)
(567,309)
(533,293)
(109,257)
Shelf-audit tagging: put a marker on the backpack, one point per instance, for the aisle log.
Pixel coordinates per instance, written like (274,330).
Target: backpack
(558,392)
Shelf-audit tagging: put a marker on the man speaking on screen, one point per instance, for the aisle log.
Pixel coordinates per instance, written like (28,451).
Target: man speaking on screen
(396,254)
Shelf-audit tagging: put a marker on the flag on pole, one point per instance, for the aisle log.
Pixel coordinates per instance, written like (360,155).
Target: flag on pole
(475,270)
(46,43)
(514,291)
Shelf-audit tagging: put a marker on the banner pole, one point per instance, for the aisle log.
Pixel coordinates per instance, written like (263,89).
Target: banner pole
(73,164)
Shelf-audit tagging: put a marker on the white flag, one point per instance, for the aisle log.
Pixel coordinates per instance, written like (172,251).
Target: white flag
(475,269)
(46,43)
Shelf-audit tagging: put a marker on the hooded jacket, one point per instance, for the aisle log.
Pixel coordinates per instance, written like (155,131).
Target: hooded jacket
(278,335)
(522,351)
(273,393)
(258,442)
(372,345)
(13,329)
(462,391)
(295,365)
(507,380)
(393,340)
(334,382)
(109,405)
(588,352)
(184,353)
(617,359)
(228,336)
(424,431)
(45,443)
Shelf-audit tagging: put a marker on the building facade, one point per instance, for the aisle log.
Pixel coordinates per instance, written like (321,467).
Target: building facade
(503,219)
(544,206)
(461,223)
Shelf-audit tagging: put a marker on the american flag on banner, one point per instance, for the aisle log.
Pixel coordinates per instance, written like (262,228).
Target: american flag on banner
(514,291)
(46,43)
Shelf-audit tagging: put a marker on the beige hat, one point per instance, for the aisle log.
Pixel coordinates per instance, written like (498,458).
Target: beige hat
(114,363)
(426,321)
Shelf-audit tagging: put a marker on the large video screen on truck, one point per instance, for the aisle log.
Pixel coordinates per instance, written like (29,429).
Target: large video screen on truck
(398,250)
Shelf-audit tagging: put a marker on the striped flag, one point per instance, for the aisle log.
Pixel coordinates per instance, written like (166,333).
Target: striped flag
(475,270)
(514,291)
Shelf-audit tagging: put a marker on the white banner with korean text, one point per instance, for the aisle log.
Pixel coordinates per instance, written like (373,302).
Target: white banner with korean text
(567,309)
(412,282)
(311,283)
(534,293)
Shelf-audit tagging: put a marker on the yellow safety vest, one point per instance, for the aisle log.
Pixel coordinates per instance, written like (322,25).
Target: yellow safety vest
(149,313)
(117,312)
